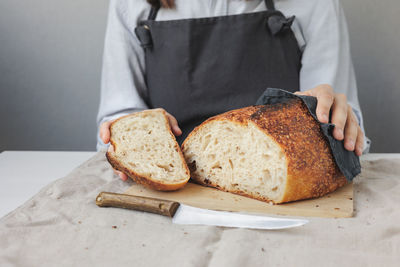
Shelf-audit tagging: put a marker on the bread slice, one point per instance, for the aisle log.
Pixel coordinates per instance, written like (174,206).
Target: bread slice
(146,150)
(275,153)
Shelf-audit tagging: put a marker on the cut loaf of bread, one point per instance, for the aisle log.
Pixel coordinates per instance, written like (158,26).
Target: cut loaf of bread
(146,150)
(275,153)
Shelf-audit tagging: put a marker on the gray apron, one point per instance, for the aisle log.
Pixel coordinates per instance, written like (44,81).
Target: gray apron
(197,68)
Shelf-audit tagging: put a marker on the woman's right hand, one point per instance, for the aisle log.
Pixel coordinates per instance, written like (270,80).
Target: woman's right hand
(105,137)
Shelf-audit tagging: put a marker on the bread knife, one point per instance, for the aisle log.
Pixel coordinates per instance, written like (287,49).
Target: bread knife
(184,214)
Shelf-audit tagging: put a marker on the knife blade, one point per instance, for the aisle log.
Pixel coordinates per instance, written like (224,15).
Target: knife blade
(184,214)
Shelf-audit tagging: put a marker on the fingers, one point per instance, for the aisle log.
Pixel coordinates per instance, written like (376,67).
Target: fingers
(174,125)
(105,131)
(122,175)
(340,113)
(351,132)
(359,142)
(329,101)
(303,93)
(325,96)
(354,137)
(346,124)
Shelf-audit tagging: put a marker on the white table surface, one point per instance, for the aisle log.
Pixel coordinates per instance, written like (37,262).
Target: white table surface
(24,173)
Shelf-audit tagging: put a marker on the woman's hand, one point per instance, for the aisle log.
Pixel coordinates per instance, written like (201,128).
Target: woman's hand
(346,125)
(105,137)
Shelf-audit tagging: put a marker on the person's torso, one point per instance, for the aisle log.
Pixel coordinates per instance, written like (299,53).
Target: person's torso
(197,68)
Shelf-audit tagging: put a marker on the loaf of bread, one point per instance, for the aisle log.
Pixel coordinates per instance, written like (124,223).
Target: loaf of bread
(274,153)
(146,150)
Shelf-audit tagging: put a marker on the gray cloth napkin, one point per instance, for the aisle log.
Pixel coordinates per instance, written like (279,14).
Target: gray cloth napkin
(348,162)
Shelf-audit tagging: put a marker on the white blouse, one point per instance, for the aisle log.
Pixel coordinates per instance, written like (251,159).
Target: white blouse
(320,29)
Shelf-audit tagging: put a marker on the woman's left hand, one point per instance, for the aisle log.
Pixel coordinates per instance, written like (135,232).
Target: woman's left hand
(346,125)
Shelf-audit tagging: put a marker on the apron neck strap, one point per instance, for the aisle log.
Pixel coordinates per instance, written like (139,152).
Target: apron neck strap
(270,4)
(154,9)
(153,12)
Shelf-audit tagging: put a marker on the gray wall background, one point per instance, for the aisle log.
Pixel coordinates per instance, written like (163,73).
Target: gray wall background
(50,67)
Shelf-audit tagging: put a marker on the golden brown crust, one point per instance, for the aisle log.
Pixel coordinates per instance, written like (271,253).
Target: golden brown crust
(142,179)
(312,171)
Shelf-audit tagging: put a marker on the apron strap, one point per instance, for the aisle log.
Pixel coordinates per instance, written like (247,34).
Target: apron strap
(153,12)
(270,4)
(142,31)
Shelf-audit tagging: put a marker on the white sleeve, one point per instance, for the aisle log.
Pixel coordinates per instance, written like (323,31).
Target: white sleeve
(122,81)
(326,55)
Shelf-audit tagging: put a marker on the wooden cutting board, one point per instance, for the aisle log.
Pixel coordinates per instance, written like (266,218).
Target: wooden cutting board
(338,204)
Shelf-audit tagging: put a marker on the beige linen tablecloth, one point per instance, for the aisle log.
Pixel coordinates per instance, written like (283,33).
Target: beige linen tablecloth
(62,226)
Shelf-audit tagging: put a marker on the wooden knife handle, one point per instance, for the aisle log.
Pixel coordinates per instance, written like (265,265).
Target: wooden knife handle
(153,205)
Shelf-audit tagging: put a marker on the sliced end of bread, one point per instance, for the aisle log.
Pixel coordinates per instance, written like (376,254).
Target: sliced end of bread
(146,150)
(238,158)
